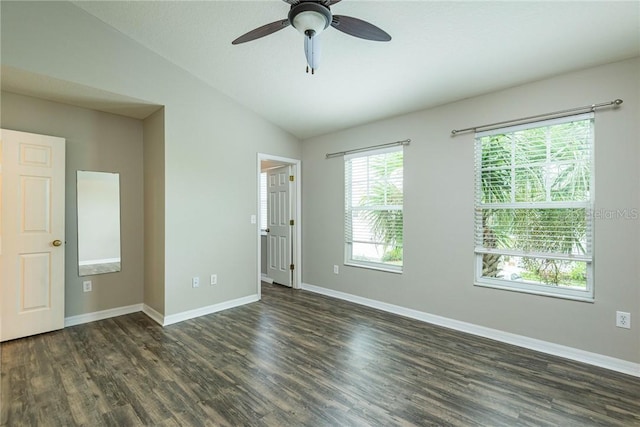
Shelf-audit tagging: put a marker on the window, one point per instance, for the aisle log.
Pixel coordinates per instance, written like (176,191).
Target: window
(533,204)
(373,209)
(263,201)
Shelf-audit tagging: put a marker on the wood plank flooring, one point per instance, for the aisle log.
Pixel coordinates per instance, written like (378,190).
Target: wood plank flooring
(298,359)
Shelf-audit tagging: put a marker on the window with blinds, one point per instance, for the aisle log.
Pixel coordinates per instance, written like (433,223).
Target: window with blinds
(263,200)
(373,209)
(533,207)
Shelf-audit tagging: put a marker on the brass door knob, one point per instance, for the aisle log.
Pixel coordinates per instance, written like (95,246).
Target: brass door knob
(57,243)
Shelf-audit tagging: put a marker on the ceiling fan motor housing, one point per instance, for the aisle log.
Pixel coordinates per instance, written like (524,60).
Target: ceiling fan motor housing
(310,18)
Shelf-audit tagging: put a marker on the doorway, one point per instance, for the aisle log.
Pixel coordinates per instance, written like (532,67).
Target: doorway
(279,248)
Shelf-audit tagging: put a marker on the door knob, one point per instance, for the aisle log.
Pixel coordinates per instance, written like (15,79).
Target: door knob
(267,230)
(56,243)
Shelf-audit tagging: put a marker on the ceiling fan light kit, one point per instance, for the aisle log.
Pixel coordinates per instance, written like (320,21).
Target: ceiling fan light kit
(312,17)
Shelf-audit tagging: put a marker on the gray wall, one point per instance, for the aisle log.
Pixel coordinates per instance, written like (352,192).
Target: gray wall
(154,211)
(210,144)
(263,255)
(439,184)
(100,142)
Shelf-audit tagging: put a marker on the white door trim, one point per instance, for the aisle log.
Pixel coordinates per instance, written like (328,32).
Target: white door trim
(297,231)
(280,211)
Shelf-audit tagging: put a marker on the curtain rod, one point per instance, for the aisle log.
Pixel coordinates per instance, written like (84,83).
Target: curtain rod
(530,119)
(358,150)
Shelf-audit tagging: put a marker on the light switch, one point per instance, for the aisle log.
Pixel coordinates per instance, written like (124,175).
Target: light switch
(253,219)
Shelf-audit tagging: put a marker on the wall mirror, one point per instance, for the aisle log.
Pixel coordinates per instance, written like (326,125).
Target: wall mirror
(98,222)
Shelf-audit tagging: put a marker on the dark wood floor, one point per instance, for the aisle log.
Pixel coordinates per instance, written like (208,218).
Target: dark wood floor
(298,358)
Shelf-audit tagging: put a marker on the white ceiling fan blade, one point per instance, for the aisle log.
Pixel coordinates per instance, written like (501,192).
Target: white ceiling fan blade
(312,51)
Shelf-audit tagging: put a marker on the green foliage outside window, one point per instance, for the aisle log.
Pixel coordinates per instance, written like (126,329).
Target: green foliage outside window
(386,225)
(534,192)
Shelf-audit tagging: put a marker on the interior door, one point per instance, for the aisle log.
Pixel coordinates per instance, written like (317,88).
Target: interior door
(279,228)
(32,234)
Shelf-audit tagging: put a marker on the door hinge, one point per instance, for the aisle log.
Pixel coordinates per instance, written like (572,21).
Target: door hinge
(291,178)
(290,222)
(291,267)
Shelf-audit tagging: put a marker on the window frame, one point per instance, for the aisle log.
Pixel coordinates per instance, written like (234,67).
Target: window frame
(348,243)
(588,294)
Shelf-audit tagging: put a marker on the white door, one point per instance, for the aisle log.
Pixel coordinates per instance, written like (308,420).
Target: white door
(32,234)
(278,226)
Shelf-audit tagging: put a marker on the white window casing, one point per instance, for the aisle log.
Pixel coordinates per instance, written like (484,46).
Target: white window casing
(374,209)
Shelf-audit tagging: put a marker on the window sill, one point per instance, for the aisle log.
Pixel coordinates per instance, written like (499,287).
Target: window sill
(540,292)
(373,267)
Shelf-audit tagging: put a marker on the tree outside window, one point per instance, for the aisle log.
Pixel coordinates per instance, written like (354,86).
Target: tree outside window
(374,209)
(533,207)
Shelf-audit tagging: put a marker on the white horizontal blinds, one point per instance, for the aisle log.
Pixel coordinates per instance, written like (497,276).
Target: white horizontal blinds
(533,204)
(263,200)
(373,206)
(533,189)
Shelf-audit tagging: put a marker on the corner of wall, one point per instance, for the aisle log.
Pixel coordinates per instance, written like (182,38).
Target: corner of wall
(154,209)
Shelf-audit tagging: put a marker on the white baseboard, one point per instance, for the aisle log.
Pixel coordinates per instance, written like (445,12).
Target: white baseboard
(266,279)
(100,315)
(578,355)
(186,315)
(153,314)
(156,316)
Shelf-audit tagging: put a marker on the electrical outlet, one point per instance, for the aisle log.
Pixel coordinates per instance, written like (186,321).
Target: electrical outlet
(623,319)
(336,269)
(195,282)
(214,279)
(86,286)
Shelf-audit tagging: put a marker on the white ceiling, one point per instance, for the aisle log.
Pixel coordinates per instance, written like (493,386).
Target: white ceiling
(440,52)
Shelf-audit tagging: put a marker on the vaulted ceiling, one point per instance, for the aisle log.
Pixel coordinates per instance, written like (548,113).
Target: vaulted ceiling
(441,51)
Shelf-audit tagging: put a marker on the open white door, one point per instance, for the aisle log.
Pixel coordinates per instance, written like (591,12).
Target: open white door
(32,234)
(279,227)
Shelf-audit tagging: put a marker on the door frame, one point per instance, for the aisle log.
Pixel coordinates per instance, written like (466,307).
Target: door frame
(296,205)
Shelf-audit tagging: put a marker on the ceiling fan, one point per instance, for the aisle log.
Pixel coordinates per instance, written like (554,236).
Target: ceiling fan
(311,17)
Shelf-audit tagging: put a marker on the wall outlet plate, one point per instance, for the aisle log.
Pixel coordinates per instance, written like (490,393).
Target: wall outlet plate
(623,319)
(336,269)
(195,282)
(214,279)
(86,286)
